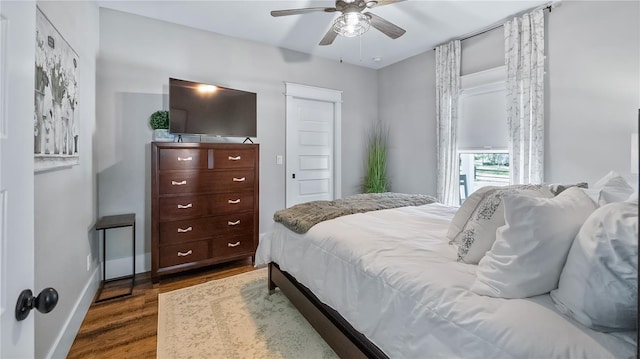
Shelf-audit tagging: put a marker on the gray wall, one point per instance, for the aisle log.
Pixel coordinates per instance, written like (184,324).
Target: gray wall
(482,52)
(137,57)
(406,103)
(65,209)
(592,95)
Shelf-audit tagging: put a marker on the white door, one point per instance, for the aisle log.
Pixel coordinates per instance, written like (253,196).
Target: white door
(313,148)
(17,79)
(310,155)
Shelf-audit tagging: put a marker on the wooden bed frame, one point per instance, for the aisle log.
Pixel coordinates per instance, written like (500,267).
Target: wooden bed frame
(332,327)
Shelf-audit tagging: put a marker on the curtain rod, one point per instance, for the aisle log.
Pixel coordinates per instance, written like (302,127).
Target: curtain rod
(548,6)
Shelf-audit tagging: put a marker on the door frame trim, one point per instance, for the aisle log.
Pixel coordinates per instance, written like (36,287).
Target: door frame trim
(293,90)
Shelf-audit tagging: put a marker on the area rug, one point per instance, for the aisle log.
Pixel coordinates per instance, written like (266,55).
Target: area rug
(235,317)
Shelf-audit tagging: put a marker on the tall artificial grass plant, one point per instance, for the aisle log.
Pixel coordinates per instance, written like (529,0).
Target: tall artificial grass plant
(376,180)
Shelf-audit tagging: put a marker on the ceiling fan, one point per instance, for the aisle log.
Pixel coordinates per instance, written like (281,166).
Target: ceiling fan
(352,21)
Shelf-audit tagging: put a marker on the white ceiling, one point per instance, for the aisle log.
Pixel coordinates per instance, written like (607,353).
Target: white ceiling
(428,23)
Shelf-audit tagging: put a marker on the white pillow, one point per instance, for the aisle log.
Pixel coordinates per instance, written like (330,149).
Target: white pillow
(609,189)
(530,249)
(598,285)
(479,232)
(465,211)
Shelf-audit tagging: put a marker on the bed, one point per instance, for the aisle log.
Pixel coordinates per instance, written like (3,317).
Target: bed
(388,284)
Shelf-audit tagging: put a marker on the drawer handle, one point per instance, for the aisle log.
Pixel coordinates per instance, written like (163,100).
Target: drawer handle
(184,206)
(236,179)
(185,158)
(234,201)
(233,244)
(187,253)
(176,183)
(233,223)
(237,158)
(188,229)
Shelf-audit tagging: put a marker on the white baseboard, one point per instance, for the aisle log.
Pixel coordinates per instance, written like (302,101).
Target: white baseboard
(70,329)
(121,267)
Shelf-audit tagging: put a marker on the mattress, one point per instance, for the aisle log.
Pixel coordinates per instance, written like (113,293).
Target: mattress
(393,276)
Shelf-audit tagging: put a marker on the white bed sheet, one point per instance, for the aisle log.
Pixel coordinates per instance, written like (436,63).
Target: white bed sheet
(395,278)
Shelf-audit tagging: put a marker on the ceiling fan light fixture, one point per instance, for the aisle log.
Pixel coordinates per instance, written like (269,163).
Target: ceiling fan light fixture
(351,24)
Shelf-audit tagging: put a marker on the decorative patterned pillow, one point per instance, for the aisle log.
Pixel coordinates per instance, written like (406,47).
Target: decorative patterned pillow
(464,213)
(479,232)
(599,282)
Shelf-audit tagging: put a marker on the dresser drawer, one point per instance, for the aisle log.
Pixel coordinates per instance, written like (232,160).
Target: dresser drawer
(193,206)
(231,202)
(198,228)
(185,230)
(183,253)
(182,159)
(172,208)
(177,182)
(234,158)
(231,181)
(231,246)
(232,224)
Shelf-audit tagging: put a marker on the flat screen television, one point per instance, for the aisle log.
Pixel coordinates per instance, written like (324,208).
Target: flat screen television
(203,109)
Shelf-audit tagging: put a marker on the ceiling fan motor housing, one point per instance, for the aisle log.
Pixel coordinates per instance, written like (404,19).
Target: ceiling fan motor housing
(353,6)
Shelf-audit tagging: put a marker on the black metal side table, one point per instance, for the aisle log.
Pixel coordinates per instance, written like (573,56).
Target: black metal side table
(117,221)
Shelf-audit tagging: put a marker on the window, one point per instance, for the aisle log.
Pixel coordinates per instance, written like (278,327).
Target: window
(480,169)
(482,131)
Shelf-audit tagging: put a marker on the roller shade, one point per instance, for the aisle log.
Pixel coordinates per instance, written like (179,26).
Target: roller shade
(482,123)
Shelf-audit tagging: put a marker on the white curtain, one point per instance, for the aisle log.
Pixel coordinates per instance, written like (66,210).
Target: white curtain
(447,91)
(524,54)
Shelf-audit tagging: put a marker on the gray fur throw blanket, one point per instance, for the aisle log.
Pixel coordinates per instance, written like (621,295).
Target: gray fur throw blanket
(301,217)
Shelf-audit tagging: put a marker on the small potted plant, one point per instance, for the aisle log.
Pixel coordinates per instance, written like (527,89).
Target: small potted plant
(159,122)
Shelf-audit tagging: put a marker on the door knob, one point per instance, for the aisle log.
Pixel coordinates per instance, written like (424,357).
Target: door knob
(44,302)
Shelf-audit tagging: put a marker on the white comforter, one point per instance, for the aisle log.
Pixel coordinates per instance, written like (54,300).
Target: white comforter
(394,277)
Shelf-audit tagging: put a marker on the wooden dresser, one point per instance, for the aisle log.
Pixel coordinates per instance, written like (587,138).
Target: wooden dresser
(204,204)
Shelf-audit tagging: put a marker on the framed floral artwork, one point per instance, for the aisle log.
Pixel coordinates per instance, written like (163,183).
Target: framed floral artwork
(55,120)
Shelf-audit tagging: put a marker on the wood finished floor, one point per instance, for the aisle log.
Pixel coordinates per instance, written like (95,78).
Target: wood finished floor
(127,327)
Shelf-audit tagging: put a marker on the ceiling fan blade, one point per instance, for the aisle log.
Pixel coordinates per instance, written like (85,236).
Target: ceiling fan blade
(276,13)
(387,28)
(378,3)
(328,37)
